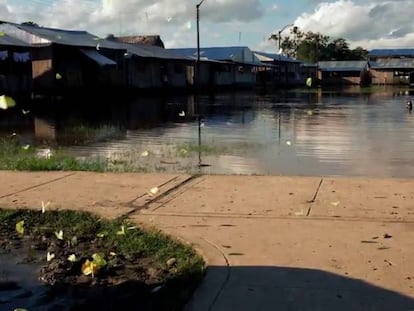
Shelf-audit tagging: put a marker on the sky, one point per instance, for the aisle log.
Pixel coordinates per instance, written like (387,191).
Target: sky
(366,23)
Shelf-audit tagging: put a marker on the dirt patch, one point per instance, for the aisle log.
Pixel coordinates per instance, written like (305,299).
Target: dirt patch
(45,260)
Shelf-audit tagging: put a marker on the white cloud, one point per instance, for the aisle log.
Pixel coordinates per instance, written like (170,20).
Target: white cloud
(169,18)
(367,23)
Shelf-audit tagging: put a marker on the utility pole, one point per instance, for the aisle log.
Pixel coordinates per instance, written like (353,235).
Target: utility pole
(279,34)
(197,88)
(198,45)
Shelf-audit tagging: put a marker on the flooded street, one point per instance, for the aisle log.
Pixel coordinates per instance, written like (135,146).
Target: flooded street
(351,132)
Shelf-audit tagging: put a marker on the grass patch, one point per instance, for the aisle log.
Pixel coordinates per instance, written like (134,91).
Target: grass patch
(83,135)
(14,156)
(178,268)
(187,150)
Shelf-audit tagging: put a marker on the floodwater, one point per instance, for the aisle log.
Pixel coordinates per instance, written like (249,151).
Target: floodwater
(349,132)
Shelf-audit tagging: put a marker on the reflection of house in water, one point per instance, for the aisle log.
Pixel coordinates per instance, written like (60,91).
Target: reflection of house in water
(148,112)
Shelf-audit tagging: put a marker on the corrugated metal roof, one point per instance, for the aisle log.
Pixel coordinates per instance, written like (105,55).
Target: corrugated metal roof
(263,56)
(405,63)
(391,52)
(224,53)
(10,41)
(342,65)
(98,58)
(218,53)
(143,50)
(66,37)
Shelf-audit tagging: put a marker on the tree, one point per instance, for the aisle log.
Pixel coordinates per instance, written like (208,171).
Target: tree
(338,49)
(30,23)
(312,47)
(359,53)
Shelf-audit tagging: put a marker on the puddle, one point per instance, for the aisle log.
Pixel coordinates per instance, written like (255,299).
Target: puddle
(19,284)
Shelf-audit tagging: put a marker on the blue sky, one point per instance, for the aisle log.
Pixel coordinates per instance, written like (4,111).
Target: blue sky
(367,23)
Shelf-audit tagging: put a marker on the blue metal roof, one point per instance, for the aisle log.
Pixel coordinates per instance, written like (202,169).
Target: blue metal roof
(218,53)
(277,57)
(151,51)
(405,63)
(60,36)
(238,54)
(11,41)
(391,52)
(346,65)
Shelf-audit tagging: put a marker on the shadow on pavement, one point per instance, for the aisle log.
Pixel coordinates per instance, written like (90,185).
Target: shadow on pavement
(279,288)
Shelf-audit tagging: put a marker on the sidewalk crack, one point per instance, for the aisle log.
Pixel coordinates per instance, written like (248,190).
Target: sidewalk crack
(36,186)
(314,197)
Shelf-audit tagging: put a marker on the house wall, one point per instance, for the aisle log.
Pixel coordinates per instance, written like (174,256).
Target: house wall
(290,73)
(387,76)
(244,76)
(177,74)
(15,77)
(190,71)
(116,74)
(338,78)
(224,75)
(143,74)
(308,72)
(42,68)
(206,74)
(382,76)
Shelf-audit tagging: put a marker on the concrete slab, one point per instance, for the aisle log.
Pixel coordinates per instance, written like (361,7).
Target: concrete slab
(243,195)
(108,194)
(12,182)
(365,198)
(297,263)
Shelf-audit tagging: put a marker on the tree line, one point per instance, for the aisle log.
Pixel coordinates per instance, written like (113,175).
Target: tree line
(312,47)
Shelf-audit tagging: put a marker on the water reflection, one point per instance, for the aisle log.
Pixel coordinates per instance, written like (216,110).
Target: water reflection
(349,132)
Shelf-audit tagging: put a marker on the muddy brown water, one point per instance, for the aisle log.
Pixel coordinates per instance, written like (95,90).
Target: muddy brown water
(348,132)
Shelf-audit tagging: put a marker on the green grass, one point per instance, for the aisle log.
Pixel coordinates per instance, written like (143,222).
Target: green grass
(105,234)
(13,156)
(187,150)
(83,135)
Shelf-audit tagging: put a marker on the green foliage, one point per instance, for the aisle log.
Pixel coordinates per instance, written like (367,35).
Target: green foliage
(14,157)
(186,150)
(312,47)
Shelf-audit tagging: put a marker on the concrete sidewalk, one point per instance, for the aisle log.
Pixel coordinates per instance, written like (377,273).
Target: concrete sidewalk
(271,243)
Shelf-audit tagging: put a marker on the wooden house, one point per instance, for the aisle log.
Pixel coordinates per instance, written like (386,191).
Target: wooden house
(225,66)
(152,67)
(309,71)
(15,66)
(343,72)
(67,60)
(287,70)
(392,66)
